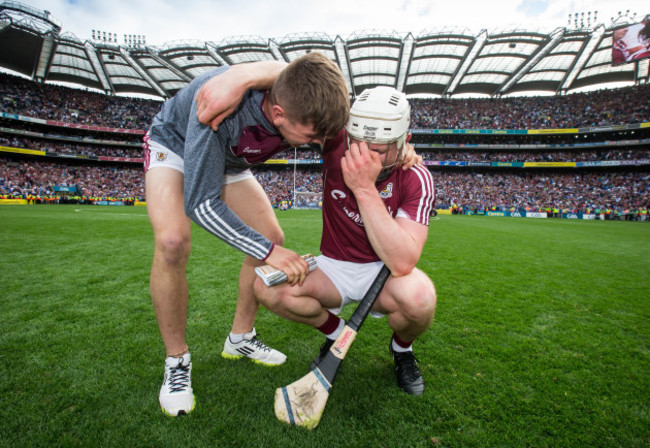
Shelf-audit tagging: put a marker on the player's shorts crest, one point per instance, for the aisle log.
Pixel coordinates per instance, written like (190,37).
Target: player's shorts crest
(387,192)
(161,156)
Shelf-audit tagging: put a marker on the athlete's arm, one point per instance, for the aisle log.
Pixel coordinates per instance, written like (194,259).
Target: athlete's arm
(397,241)
(203,180)
(220,96)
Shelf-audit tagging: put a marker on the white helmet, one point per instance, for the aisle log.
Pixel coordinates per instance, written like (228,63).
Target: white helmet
(380,115)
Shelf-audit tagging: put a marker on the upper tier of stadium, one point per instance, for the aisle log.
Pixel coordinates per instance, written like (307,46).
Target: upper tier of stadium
(446,62)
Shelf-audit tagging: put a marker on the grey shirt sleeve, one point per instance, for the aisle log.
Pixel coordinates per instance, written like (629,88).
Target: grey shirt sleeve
(205,164)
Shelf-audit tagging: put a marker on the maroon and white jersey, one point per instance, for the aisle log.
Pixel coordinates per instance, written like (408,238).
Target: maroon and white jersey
(407,194)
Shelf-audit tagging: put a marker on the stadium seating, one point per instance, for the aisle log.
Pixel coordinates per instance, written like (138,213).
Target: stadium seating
(592,155)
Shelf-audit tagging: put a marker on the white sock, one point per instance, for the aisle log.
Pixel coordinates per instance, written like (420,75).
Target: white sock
(335,334)
(396,348)
(236,338)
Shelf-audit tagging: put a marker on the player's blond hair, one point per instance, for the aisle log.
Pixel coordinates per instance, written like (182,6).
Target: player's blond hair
(312,91)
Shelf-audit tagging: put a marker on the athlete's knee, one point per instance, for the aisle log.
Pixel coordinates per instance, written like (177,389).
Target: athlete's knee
(263,294)
(174,247)
(419,304)
(272,298)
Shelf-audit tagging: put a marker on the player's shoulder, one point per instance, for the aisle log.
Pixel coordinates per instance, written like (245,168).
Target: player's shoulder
(419,173)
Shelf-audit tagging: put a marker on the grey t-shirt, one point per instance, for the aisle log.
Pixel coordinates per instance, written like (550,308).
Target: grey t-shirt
(246,137)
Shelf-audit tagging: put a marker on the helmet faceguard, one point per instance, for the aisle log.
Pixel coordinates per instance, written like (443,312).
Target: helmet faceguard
(382,116)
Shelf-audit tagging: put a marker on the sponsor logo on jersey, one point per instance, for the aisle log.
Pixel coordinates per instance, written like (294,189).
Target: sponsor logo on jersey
(355,217)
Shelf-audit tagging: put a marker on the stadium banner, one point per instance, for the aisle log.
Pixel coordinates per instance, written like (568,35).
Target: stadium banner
(140,203)
(13,201)
(553,131)
(635,162)
(121,159)
(429,145)
(108,203)
(469,131)
(65,188)
(536,215)
(479,163)
(72,156)
(445,211)
(22,118)
(600,163)
(506,164)
(277,162)
(645,125)
(578,216)
(497,213)
(304,161)
(452,163)
(550,164)
(63,124)
(32,152)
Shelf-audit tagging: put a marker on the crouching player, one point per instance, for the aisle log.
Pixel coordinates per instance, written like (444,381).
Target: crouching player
(374,213)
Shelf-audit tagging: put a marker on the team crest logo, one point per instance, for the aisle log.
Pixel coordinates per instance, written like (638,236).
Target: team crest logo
(161,156)
(387,192)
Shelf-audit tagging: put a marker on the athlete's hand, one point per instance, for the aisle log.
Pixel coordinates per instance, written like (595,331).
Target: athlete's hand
(219,97)
(360,167)
(410,158)
(290,263)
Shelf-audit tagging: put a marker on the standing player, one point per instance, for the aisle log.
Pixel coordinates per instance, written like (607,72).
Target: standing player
(194,172)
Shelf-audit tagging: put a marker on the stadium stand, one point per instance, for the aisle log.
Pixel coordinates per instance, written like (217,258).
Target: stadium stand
(48,160)
(559,155)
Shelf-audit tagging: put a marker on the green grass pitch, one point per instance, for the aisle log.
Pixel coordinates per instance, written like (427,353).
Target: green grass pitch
(541,339)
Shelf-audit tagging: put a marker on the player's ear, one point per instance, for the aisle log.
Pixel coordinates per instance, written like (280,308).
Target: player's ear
(278,115)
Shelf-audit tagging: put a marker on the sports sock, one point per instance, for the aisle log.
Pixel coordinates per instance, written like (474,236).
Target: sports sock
(236,338)
(400,345)
(332,326)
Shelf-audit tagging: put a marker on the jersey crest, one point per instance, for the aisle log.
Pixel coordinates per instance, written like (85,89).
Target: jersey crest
(387,192)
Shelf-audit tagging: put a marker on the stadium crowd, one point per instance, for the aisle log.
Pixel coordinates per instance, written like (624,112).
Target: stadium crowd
(535,192)
(641,153)
(38,100)
(536,156)
(69,148)
(599,108)
(461,191)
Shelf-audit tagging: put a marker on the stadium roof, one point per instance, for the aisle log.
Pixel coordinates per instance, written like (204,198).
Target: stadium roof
(444,62)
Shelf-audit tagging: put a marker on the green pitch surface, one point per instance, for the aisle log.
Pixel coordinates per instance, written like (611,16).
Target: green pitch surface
(541,338)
